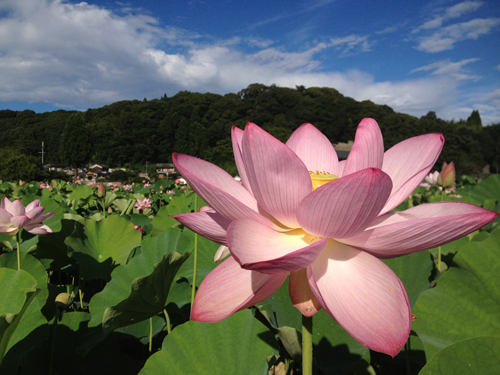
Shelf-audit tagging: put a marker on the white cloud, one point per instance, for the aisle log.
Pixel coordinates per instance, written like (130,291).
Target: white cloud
(81,55)
(452,12)
(446,37)
(350,42)
(455,69)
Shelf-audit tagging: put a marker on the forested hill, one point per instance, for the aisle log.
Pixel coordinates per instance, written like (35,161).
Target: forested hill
(129,133)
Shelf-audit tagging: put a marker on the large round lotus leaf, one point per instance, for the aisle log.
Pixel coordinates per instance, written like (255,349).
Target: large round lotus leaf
(476,356)
(237,345)
(98,244)
(148,295)
(465,302)
(486,189)
(152,251)
(32,266)
(18,289)
(15,285)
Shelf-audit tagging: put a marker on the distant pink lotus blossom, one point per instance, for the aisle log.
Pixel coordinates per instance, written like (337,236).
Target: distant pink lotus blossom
(302,213)
(143,204)
(14,216)
(177,181)
(170,192)
(127,187)
(183,187)
(143,181)
(139,228)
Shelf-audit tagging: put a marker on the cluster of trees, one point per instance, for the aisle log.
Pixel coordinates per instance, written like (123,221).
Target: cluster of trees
(129,133)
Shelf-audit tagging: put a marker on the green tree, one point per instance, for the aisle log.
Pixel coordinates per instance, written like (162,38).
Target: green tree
(474,121)
(75,148)
(16,165)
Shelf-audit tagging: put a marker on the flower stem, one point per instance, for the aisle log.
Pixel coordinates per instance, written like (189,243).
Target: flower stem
(307,355)
(443,195)
(18,235)
(439,259)
(150,335)
(167,318)
(193,290)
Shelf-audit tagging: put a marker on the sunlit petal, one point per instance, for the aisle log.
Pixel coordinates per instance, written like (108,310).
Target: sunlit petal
(230,288)
(279,179)
(420,228)
(408,163)
(364,296)
(344,207)
(367,150)
(314,149)
(257,247)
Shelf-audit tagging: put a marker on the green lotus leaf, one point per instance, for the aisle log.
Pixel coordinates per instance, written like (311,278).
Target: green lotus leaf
(152,252)
(148,296)
(465,302)
(237,345)
(475,356)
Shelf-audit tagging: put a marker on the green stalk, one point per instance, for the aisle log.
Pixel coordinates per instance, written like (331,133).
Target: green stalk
(193,290)
(18,235)
(443,194)
(150,335)
(167,318)
(439,259)
(307,348)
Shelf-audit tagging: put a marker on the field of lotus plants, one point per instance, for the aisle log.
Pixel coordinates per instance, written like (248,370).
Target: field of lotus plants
(110,291)
(306,265)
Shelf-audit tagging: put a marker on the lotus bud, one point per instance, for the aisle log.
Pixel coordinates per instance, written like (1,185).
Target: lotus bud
(51,188)
(63,300)
(110,210)
(446,178)
(21,182)
(101,190)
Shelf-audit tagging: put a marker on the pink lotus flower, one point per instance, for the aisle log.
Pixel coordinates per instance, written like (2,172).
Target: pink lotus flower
(139,228)
(302,213)
(14,216)
(143,204)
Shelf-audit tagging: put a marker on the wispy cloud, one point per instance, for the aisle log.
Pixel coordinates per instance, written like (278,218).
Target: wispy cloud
(445,67)
(434,36)
(445,14)
(348,43)
(307,8)
(446,37)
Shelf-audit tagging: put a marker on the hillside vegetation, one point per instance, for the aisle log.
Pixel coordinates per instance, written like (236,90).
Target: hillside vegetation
(129,133)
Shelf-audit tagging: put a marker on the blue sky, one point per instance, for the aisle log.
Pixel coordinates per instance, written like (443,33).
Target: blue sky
(415,56)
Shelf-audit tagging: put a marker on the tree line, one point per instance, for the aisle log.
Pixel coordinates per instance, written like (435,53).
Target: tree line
(129,133)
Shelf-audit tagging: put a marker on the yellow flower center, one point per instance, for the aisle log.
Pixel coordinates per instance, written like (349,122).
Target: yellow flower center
(321,178)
